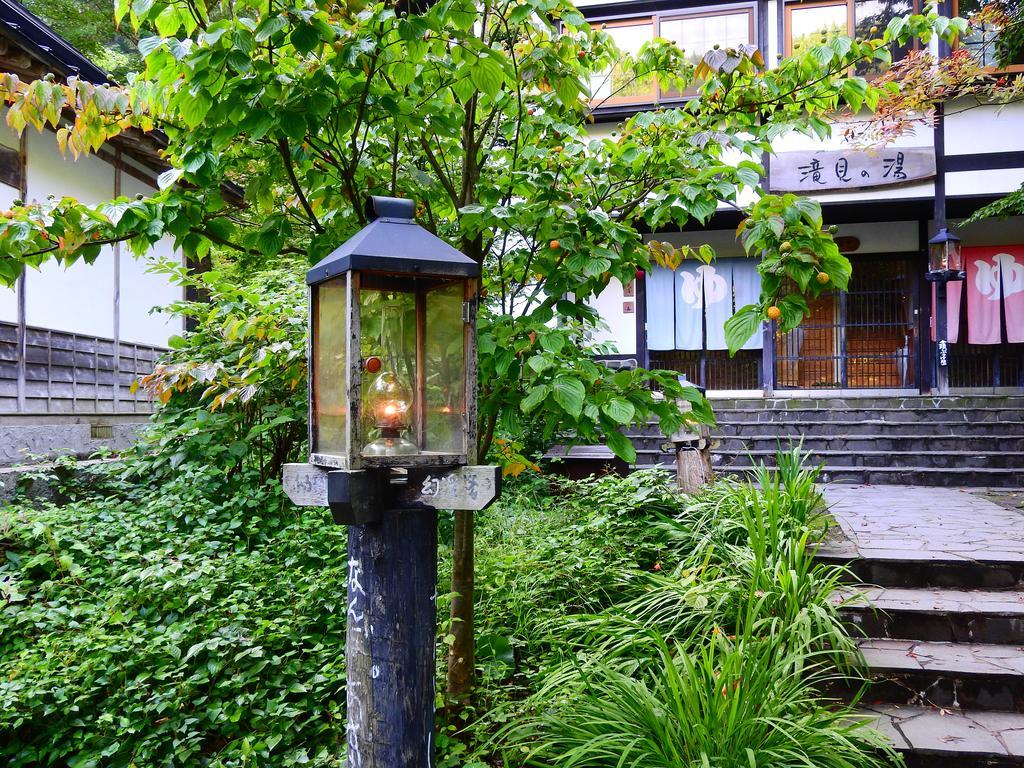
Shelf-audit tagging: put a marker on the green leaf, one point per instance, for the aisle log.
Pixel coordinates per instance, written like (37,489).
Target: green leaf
(621,446)
(487,75)
(741,326)
(552,341)
(305,38)
(794,309)
(169,21)
(535,397)
(569,393)
(619,411)
(270,27)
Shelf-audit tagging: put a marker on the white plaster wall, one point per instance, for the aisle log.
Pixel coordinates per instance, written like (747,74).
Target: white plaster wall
(992,182)
(971,129)
(78,298)
(621,330)
(990,232)
(8,296)
(771,56)
(142,289)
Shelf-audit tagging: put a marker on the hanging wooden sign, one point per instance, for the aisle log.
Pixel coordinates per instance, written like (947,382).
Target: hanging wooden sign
(826,170)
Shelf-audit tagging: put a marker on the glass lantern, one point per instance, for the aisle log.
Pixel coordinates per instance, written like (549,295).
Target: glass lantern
(944,257)
(393,357)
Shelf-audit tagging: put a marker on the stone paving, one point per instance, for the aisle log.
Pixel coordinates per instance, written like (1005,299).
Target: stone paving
(892,522)
(923,729)
(932,656)
(942,703)
(935,600)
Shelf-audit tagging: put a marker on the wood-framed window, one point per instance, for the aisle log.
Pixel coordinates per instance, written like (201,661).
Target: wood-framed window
(615,85)
(982,38)
(696,31)
(810,23)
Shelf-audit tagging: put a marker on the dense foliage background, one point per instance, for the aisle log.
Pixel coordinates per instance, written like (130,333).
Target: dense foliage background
(188,617)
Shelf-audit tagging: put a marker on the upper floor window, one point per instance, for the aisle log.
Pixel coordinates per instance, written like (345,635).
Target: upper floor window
(616,85)
(698,33)
(695,32)
(993,38)
(812,23)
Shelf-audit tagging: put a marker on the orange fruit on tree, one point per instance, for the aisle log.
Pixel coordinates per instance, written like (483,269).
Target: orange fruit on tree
(822,277)
(773,312)
(554,245)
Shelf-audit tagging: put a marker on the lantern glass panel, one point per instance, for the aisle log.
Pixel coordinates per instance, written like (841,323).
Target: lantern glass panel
(414,394)
(387,312)
(938,257)
(445,381)
(953,254)
(330,364)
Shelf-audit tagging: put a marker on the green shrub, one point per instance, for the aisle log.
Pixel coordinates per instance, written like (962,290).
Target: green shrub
(172,628)
(718,660)
(232,391)
(194,618)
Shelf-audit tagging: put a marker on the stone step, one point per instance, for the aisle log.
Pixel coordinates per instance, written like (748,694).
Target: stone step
(939,738)
(880,459)
(968,676)
(944,428)
(887,442)
(888,415)
(893,401)
(963,477)
(908,569)
(942,615)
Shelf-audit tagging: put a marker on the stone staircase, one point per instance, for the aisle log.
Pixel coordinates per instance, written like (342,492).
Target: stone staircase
(942,620)
(951,441)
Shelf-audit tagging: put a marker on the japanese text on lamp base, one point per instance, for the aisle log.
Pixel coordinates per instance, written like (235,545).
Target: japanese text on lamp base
(829,170)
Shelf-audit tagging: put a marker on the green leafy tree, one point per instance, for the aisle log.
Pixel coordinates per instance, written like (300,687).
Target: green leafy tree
(480,112)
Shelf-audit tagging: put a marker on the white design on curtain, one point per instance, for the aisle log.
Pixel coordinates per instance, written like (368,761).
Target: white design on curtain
(677,301)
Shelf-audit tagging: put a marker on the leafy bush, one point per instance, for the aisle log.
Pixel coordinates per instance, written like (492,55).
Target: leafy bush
(233,389)
(741,702)
(717,660)
(199,620)
(170,628)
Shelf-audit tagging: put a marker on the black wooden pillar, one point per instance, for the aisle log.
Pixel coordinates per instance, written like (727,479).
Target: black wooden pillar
(941,343)
(389,654)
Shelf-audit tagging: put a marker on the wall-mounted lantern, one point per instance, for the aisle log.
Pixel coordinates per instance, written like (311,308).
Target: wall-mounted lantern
(945,262)
(392,347)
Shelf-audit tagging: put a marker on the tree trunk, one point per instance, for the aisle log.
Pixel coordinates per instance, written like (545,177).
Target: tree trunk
(461,657)
(693,469)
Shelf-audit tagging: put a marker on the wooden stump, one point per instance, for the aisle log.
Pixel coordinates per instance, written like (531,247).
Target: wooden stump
(389,653)
(693,469)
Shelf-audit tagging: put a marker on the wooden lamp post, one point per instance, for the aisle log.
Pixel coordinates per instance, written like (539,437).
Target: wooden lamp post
(392,433)
(945,265)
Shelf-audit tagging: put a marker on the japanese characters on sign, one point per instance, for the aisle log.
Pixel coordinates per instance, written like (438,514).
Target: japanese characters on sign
(827,170)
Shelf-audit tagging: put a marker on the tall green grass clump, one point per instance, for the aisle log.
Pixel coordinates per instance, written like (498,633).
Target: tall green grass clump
(720,660)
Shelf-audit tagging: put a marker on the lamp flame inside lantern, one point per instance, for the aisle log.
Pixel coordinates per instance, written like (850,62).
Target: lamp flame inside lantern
(389,398)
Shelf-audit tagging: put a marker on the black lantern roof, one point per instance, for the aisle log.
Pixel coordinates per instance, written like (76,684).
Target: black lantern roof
(944,236)
(393,242)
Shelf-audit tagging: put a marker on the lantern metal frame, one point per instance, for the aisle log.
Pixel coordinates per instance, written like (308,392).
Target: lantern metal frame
(391,246)
(946,240)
